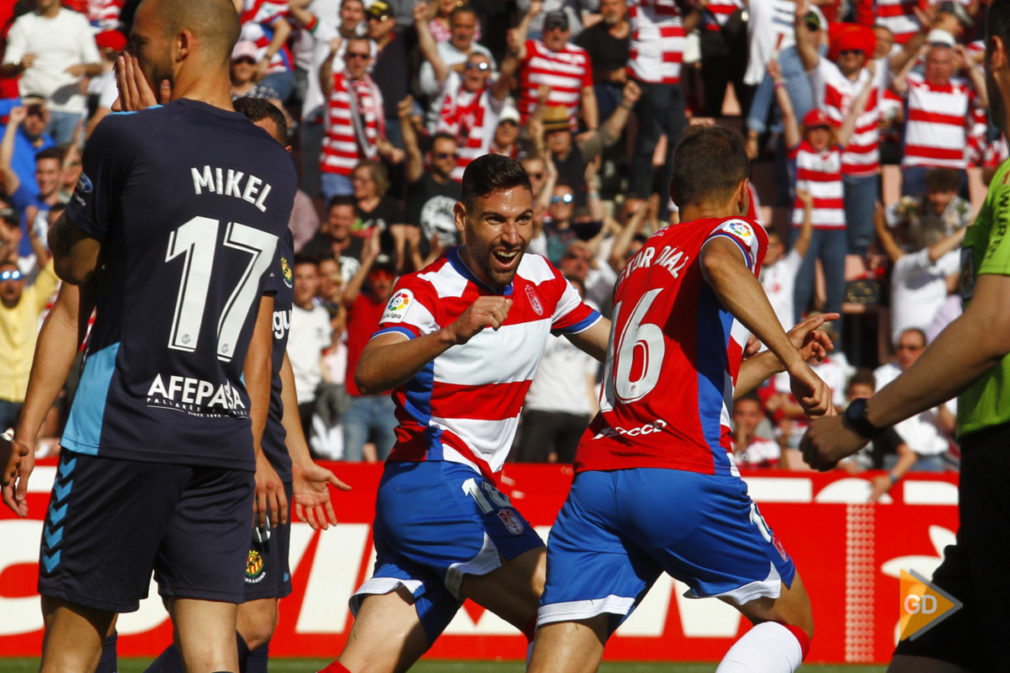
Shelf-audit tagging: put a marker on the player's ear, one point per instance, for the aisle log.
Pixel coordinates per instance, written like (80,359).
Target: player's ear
(459,213)
(183,44)
(743,197)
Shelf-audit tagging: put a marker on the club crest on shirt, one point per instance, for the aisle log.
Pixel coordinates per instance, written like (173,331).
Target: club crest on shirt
(254,567)
(83,188)
(289,276)
(740,229)
(396,309)
(531,294)
(513,523)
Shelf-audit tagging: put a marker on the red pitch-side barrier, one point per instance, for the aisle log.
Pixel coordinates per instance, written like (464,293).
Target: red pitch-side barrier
(849,554)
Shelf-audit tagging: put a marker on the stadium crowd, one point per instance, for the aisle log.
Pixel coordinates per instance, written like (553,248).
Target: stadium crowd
(388,101)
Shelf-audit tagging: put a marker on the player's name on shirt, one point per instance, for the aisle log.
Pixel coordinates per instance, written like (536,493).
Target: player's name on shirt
(195,396)
(231,182)
(282,323)
(670,258)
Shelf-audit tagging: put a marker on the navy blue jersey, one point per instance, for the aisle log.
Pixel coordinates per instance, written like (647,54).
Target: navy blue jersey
(280,281)
(189,202)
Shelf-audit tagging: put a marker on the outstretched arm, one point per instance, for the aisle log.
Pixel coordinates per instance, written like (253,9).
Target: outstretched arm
(737,289)
(790,125)
(11,181)
(310,482)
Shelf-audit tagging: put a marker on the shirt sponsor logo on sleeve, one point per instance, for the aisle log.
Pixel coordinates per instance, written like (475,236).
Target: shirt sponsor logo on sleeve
(511,520)
(289,276)
(396,309)
(83,188)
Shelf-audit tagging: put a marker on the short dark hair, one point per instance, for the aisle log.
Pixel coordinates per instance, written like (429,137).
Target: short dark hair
(863,375)
(998,21)
(752,396)
(462,9)
(942,180)
(50,153)
(708,164)
(305,258)
(341,200)
(491,173)
(444,135)
(257,109)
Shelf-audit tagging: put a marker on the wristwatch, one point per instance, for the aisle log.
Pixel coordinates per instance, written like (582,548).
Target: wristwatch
(856,417)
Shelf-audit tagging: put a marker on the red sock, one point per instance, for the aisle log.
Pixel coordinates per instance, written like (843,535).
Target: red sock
(800,636)
(335,667)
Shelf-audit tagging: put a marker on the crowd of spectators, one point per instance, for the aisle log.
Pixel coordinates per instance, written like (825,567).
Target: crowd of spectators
(389,100)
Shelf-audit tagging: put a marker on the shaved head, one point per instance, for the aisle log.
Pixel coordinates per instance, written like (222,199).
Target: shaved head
(214,23)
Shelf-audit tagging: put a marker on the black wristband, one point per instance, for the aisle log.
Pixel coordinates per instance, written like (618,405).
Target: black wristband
(856,417)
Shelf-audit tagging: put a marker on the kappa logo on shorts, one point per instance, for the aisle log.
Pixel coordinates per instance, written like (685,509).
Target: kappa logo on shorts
(396,309)
(511,520)
(254,571)
(531,294)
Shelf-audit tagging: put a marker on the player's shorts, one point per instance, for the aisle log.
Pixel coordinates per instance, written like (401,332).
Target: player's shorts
(436,521)
(974,569)
(619,530)
(110,522)
(266,569)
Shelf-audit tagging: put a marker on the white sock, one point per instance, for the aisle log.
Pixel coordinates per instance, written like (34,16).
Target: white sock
(769,647)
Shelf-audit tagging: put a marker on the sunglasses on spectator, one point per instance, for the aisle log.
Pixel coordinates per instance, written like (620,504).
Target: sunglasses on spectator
(909,347)
(536,176)
(564,198)
(851,51)
(554,25)
(482,66)
(245,59)
(446,155)
(355,54)
(10,275)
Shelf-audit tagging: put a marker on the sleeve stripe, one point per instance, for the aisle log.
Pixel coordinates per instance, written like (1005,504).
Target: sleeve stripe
(395,330)
(580,326)
(743,248)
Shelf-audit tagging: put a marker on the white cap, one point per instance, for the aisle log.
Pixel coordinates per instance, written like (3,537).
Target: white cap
(940,36)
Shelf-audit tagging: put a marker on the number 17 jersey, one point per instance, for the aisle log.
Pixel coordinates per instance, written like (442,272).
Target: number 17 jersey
(673,357)
(189,202)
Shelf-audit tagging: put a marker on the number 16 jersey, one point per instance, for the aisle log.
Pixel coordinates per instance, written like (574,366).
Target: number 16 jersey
(673,357)
(188,202)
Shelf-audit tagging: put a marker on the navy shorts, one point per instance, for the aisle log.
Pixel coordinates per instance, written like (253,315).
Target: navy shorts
(110,522)
(619,530)
(436,521)
(266,569)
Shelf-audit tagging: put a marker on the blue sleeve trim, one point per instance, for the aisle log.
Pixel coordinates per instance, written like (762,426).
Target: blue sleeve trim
(394,330)
(743,248)
(580,326)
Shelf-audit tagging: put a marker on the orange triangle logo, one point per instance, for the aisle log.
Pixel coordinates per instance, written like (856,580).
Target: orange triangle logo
(923,605)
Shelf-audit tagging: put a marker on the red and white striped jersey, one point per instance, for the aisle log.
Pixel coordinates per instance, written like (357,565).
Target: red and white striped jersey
(936,130)
(471,116)
(566,72)
(261,34)
(464,405)
(820,174)
(104,14)
(719,12)
(836,93)
(262,11)
(657,41)
(341,146)
(899,17)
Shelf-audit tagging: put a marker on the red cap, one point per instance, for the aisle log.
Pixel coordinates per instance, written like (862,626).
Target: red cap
(111,39)
(816,117)
(848,37)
